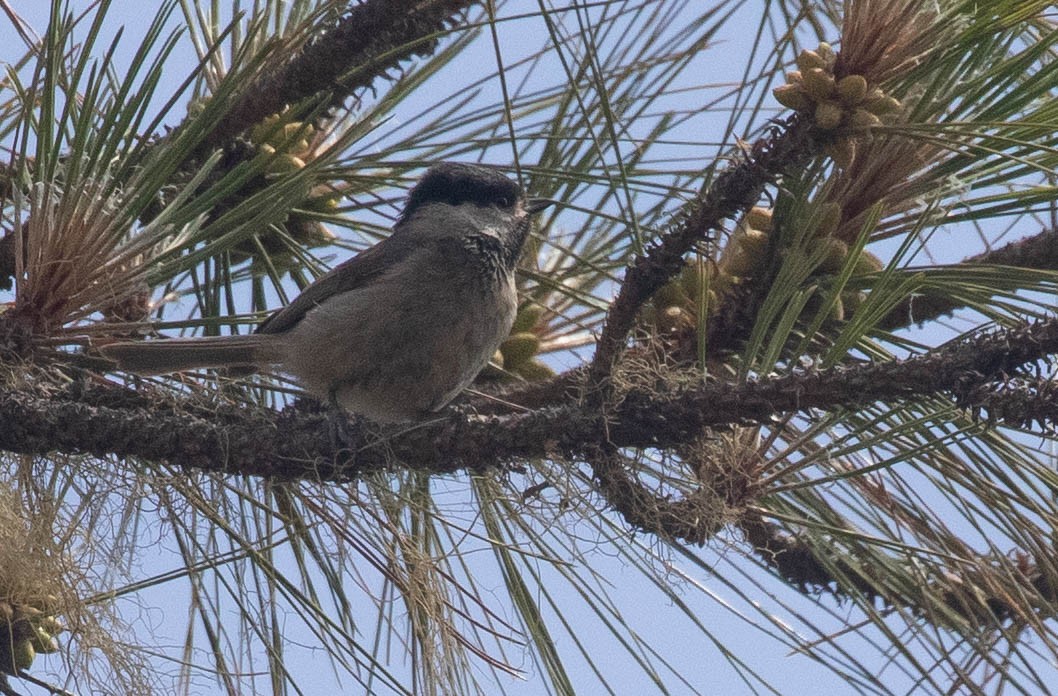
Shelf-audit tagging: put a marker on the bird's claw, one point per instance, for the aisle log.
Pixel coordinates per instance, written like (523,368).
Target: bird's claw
(344,438)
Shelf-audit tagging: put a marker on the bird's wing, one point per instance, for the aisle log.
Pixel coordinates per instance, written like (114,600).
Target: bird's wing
(346,276)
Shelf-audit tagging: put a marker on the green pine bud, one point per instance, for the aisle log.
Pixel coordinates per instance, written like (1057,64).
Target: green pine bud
(828,115)
(793,97)
(527,318)
(809,59)
(23,654)
(518,348)
(818,83)
(852,89)
(535,371)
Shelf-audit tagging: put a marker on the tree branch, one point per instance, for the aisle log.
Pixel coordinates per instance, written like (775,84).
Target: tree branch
(734,190)
(962,369)
(294,443)
(1039,252)
(813,568)
(373,38)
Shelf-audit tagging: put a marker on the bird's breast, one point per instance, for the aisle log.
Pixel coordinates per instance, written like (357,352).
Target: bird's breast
(405,344)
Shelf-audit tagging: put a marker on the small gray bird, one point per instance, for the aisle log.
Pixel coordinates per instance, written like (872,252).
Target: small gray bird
(396,332)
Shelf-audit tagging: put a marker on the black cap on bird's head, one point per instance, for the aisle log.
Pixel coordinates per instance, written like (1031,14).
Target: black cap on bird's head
(455,183)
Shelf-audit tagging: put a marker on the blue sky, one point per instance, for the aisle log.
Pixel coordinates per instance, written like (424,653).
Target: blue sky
(729,618)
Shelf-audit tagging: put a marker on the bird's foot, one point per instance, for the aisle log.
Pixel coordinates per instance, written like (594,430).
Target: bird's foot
(344,437)
(464,411)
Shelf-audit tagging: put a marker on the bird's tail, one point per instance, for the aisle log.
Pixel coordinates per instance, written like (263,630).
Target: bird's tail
(178,354)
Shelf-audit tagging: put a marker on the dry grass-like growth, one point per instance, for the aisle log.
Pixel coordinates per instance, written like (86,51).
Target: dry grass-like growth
(882,39)
(37,585)
(714,476)
(891,170)
(33,567)
(727,465)
(45,554)
(656,365)
(74,260)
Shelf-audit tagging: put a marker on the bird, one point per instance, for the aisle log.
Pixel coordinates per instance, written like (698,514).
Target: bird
(395,333)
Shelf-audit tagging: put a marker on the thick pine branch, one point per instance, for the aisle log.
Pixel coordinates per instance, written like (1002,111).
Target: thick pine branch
(372,39)
(294,443)
(1038,252)
(815,567)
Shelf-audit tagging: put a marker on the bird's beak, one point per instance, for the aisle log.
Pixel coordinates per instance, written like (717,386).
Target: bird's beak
(535,205)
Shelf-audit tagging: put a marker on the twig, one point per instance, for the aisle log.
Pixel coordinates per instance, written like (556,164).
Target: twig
(734,190)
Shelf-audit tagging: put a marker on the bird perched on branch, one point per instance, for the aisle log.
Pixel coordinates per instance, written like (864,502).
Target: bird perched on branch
(396,332)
